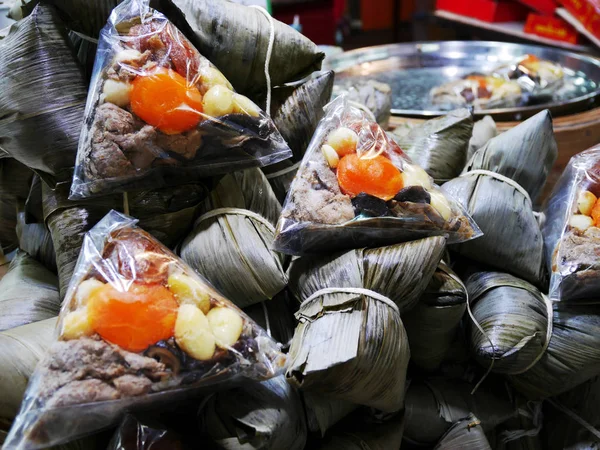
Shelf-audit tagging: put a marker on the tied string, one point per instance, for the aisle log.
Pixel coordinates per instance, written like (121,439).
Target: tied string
(268,56)
(351,290)
(537,419)
(283,171)
(125,203)
(239,211)
(85,37)
(267,321)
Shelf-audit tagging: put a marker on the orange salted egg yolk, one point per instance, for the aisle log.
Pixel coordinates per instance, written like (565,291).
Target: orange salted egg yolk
(165,100)
(136,319)
(374,176)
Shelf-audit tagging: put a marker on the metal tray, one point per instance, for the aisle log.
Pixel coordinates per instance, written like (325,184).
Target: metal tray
(413,69)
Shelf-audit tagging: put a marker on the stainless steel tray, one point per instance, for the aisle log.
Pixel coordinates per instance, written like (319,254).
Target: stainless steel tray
(413,69)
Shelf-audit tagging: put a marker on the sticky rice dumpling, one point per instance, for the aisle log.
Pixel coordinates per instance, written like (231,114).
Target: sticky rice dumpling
(572,230)
(41,131)
(15,179)
(374,95)
(144,329)
(235,39)
(465,434)
(355,187)
(159,113)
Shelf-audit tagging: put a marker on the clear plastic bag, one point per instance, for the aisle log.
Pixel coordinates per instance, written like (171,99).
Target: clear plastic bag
(136,434)
(537,77)
(572,230)
(159,113)
(356,188)
(138,329)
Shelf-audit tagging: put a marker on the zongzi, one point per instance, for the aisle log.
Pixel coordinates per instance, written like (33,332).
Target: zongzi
(439,145)
(160,114)
(483,130)
(20,350)
(515,319)
(235,38)
(525,153)
(432,324)
(36,240)
(432,406)
(512,240)
(145,329)
(266,416)
(15,180)
(231,241)
(41,131)
(572,356)
(276,316)
(480,90)
(572,230)
(28,293)
(355,187)
(323,412)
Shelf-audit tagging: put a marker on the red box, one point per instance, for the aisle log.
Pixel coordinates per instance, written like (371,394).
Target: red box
(580,9)
(486,10)
(542,6)
(551,28)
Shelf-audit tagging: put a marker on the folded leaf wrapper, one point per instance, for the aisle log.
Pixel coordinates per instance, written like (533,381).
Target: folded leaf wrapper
(375,95)
(160,114)
(572,230)
(137,328)
(235,38)
(15,179)
(466,434)
(42,95)
(355,187)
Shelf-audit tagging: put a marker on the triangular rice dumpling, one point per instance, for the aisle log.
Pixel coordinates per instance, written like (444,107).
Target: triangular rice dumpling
(15,179)
(235,38)
(373,94)
(160,114)
(138,328)
(355,188)
(42,95)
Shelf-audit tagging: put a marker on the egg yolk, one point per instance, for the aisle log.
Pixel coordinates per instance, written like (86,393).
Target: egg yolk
(165,100)
(136,319)
(374,176)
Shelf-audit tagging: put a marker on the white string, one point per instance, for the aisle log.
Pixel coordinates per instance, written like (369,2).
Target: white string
(283,171)
(85,37)
(507,180)
(351,290)
(549,329)
(269,53)
(536,418)
(575,417)
(238,211)
(363,108)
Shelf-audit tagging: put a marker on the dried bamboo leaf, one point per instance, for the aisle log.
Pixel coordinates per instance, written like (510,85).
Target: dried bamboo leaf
(483,130)
(34,209)
(322,412)
(298,117)
(234,38)
(232,249)
(401,272)
(432,407)
(431,325)
(439,145)
(276,316)
(493,204)
(525,153)
(356,434)
(352,347)
(572,356)
(280,177)
(41,131)
(514,316)
(28,293)
(20,350)
(466,434)
(14,187)
(267,415)
(376,96)
(35,239)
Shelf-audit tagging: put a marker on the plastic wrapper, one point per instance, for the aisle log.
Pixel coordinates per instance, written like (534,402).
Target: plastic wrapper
(572,230)
(376,96)
(137,329)
(355,187)
(134,434)
(536,76)
(159,113)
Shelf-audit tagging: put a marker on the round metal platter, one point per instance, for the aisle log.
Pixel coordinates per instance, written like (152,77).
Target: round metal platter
(412,70)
